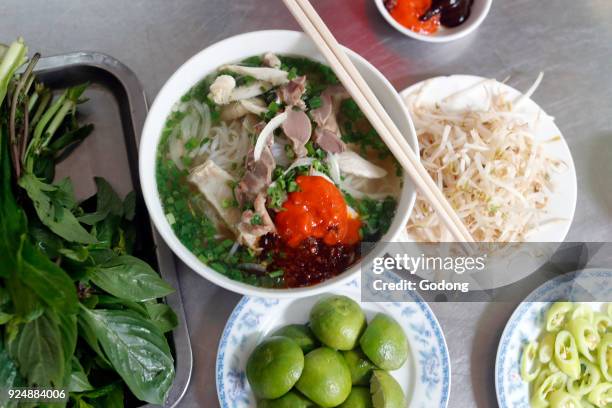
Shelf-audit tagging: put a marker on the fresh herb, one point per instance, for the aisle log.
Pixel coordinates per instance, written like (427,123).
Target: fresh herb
(273,109)
(314,102)
(77,310)
(375,215)
(292,74)
(289,152)
(254,61)
(314,71)
(256,219)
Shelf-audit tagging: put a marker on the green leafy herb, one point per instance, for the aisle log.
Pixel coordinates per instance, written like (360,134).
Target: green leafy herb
(137,349)
(256,220)
(129,278)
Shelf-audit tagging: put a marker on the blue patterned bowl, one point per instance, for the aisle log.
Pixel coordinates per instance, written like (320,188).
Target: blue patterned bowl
(526,325)
(425,378)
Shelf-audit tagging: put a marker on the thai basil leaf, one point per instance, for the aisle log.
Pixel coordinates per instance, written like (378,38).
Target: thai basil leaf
(67,325)
(48,280)
(107,202)
(78,379)
(26,304)
(112,302)
(9,376)
(12,218)
(39,352)
(77,253)
(46,241)
(70,138)
(137,349)
(162,316)
(87,333)
(5,317)
(129,206)
(129,278)
(50,202)
(114,399)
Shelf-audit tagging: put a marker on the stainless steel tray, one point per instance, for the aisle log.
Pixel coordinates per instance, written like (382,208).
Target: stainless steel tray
(117,107)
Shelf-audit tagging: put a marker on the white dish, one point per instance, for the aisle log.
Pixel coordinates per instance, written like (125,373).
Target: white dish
(425,378)
(562,204)
(480,10)
(526,324)
(236,49)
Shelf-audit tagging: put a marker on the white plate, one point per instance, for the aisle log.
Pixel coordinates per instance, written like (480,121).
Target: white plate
(425,378)
(526,324)
(475,93)
(563,200)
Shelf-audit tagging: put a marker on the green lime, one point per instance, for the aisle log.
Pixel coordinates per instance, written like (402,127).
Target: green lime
(274,367)
(301,334)
(337,321)
(385,343)
(358,398)
(386,392)
(326,379)
(359,366)
(292,399)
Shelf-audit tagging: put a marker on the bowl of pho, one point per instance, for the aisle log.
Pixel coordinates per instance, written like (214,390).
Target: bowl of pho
(262,174)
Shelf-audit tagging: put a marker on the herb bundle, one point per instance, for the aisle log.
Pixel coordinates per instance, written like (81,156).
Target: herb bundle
(77,310)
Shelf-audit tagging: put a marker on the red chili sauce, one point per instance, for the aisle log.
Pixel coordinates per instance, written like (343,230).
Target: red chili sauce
(317,237)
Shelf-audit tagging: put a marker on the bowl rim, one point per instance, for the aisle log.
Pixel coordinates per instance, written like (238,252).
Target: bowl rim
(459,32)
(151,194)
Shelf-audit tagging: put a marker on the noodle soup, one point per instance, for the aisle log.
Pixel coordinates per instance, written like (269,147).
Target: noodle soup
(270,174)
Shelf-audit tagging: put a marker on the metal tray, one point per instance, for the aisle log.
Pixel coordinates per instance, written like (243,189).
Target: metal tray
(117,107)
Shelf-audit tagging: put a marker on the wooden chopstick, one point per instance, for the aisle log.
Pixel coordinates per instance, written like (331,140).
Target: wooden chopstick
(312,24)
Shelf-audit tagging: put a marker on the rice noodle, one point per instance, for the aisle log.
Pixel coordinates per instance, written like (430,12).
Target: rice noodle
(489,165)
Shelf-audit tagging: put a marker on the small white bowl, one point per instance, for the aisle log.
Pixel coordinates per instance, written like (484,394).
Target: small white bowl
(479,12)
(235,49)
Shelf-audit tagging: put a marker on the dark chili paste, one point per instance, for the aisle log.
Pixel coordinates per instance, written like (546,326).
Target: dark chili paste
(309,263)
(452,12)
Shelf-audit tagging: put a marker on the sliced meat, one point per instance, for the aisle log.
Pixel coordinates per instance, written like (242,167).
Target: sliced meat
(352,163)
(331,99)
(291,93)
(297,128)
(329,141)
(214,183)
(327,134)
(273,76)
(271,60)
(257,177)
(250,91)
(233,110)
(224,91)
(254,105)
(255,224)
(221,89)
(322,114)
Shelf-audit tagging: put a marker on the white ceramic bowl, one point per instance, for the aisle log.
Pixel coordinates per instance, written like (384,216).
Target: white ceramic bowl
(479,12)
(235,49)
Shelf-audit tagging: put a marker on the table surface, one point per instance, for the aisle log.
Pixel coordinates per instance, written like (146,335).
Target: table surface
(571,41)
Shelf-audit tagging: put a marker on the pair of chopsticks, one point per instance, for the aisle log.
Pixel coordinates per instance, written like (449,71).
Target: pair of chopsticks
(354,83)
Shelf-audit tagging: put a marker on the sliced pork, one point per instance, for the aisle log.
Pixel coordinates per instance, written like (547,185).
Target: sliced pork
(271,60)
(329,141)
(291,93)
(254,224)
(272,76)
(215,184)
(257,177)
(297,128)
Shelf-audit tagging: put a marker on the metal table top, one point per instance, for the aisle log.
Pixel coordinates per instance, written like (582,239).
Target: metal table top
(571,41)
